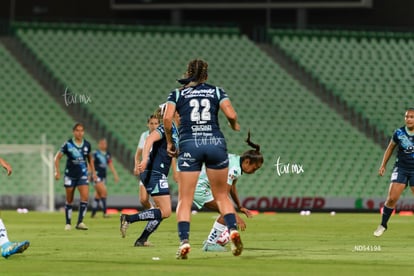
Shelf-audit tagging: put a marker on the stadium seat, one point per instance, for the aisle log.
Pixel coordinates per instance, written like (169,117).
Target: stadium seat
(128,73)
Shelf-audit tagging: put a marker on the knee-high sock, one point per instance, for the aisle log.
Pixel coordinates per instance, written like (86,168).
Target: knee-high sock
(3,233)
(83,207)
(230,220)
(68,213)
(386,214)
(151,214)
(184,230)
(95,206)
(103,200)
(150,228)
(215,232)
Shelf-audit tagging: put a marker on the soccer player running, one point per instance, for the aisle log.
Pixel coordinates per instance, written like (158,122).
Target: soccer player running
(248,163)
(153,171)
(152,123)
(201,142)
(403,172)
(102,160)
(78,153)
(9,248)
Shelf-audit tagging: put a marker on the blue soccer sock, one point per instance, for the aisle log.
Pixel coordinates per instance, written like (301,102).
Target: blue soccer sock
(231,221)
(150,228)
(184,230)
(386,214)
(95,206)
(151,214)
(82,211)
(104,205)
(68,213)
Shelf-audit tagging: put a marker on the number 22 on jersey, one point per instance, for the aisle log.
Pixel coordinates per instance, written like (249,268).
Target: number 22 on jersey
(201,110)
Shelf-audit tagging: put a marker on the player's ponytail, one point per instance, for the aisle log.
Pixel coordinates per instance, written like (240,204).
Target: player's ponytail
(250,143)
(197,71)
(255,156)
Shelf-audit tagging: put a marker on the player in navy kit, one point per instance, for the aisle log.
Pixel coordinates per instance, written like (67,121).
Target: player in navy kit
(102,160)
(7,247)
(78,152)
(152,123)
(201,142)
(403,172)
(153,169)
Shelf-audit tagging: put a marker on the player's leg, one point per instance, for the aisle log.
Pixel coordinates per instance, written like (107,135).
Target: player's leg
(186,188)
(164,204)
(218,228)
(144,197)
(218,182)
(157,185)
(7,247)
(83,189)
(102,194)
(394,193)
(70,193)
(95,204)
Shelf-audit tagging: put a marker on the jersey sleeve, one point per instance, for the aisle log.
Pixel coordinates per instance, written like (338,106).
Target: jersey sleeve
(108,158)
(395,136)
(233,175)
(221,94)
(173,97)
(89,148)
(161,131)
(64,148)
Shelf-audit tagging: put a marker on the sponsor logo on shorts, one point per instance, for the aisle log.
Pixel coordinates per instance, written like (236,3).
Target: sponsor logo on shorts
(163,183)
(185,164)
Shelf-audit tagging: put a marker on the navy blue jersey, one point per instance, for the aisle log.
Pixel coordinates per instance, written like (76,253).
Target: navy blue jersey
(158,159)
(198,107)
(101,162)
(405,155)
(76,163)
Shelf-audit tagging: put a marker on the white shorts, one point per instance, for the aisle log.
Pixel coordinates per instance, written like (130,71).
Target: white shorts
(202,194)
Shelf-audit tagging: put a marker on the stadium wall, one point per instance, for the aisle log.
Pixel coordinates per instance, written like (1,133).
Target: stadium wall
(384,13)
(259,203)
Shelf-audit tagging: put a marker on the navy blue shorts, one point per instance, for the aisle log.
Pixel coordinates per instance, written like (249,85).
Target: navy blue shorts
(71,182)
(404,176)
(194,153)
(155,183)
(99,179)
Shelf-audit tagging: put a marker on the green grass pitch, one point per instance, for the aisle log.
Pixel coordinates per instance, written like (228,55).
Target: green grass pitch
(281,244)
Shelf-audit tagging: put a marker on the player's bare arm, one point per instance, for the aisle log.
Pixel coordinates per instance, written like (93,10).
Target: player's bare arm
(6,166)
(58,156)
(234,195)
(230,113)
(151,139)
(92,166)
(387,156)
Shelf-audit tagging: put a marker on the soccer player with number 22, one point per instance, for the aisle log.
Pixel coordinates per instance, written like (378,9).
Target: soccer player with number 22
(201,142)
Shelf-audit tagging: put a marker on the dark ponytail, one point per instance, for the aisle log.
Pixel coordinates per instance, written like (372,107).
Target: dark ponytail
(197,71)
(255,156)
(250,143)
